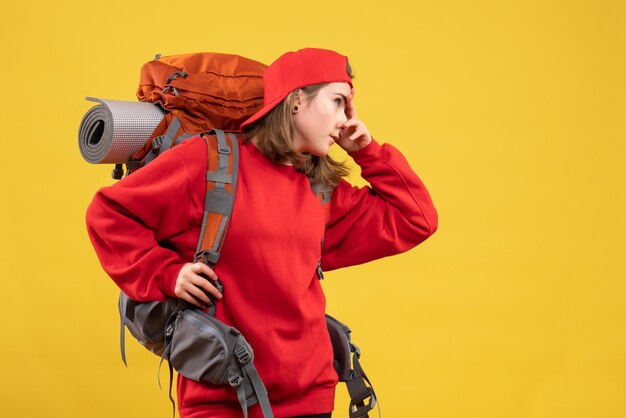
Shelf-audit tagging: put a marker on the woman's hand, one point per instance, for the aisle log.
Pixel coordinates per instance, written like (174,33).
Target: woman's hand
(193,288)
(354,135)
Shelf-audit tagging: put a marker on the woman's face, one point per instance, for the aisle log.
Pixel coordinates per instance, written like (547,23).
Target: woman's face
(318,120)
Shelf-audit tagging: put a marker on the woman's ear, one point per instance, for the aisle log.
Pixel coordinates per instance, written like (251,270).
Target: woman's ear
(294,101)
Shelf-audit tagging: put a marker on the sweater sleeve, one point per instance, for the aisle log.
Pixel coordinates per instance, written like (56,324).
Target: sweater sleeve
(133,223)
(392,216)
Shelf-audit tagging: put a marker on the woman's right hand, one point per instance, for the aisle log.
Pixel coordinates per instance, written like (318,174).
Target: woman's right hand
(193,288)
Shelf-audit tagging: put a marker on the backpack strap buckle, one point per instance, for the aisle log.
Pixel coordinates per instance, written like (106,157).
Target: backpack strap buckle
(157,142)
(173,76)
(359,409)
(167,89)
(243,355)
(235,380)
(208,257)
(223,148)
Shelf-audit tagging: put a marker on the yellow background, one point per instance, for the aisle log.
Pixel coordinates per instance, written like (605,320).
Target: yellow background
(513,114)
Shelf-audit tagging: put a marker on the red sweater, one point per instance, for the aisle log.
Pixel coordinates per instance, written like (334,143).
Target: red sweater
(146,226)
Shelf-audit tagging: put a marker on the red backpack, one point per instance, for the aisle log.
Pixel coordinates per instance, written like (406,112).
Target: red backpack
(200,92)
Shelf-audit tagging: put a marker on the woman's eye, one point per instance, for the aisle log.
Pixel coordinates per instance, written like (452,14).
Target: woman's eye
(338,101)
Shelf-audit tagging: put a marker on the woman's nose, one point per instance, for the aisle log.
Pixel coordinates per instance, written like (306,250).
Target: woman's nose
(342,118)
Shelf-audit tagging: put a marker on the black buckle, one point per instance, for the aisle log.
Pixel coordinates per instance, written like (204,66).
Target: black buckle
(319,271)
(118,172)
(243,355)
(358,408)
(169,331)
(208,257)
(132,165)
(235,380)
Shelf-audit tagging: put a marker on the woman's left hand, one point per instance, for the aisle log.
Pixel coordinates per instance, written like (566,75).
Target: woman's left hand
(354,135)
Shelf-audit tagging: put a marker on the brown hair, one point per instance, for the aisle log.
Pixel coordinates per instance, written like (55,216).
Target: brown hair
(273,136)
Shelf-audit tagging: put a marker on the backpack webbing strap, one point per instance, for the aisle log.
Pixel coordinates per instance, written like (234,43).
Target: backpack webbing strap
(221,184)
(170,367)
(162,143)
(358,390)
(171,132)
(322,190)
(183,137)
(243,402)
(250,375)
(167,351)
(171,370)
(324,194)
(129,313)
(259,389)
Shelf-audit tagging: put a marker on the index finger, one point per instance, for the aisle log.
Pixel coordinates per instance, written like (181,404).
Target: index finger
(201,268)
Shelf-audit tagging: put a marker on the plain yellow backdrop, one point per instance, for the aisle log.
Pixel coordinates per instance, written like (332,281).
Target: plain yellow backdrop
(512,112)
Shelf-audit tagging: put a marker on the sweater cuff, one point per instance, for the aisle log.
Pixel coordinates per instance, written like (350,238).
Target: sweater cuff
(168,280)
(371,150)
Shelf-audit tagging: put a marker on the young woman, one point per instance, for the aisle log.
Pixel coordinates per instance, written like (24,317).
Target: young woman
(145,229)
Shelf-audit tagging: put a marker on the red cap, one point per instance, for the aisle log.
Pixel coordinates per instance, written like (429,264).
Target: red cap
(298,69)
